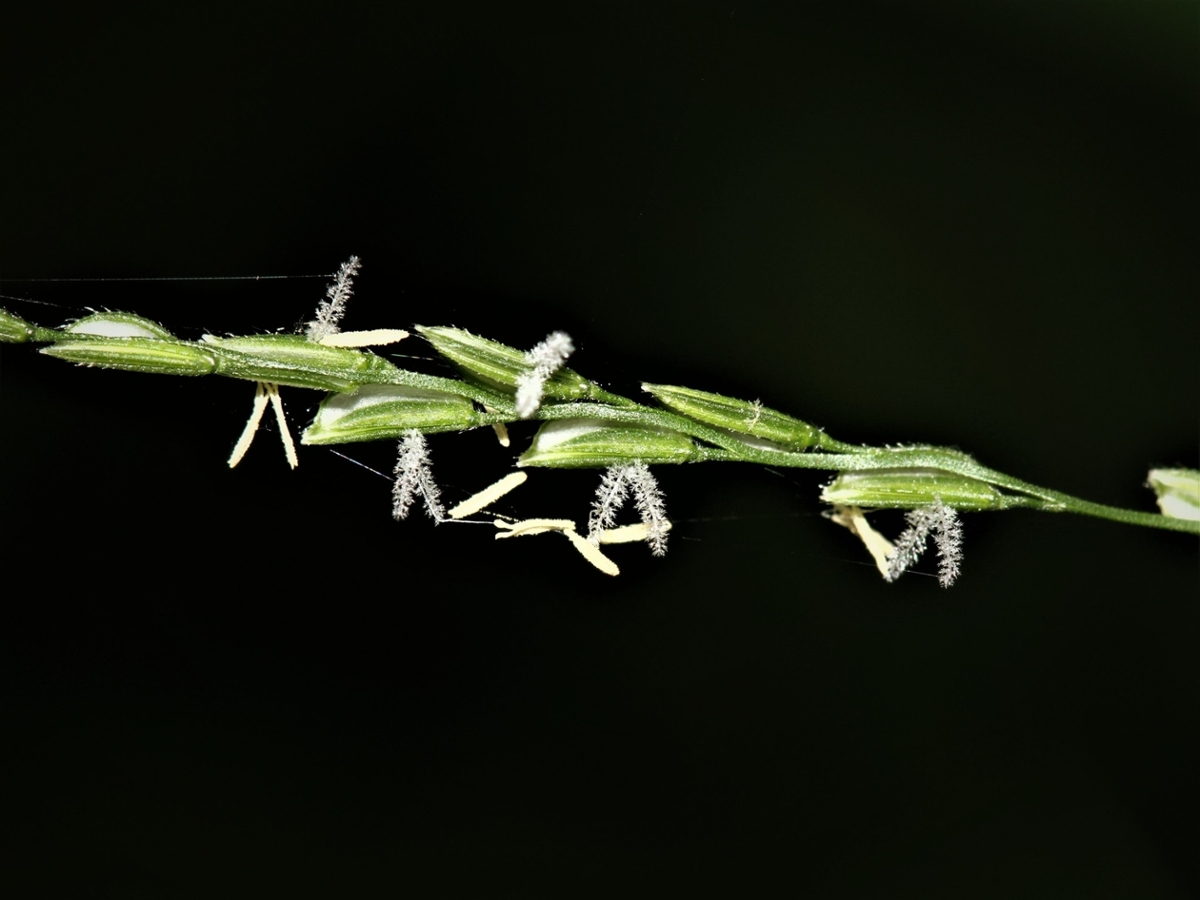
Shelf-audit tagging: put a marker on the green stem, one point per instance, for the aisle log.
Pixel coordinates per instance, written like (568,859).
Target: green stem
(717,444)
(729,448)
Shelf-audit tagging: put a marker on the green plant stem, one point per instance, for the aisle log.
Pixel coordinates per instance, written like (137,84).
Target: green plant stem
(729,448)
(357,369)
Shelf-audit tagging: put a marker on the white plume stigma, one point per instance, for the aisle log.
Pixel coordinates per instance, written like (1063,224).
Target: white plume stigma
(911,543)
(333,307)
(414,476)
(610,497)
(947,537)
(546,358)
(942,522)
(648,498)
(615,485)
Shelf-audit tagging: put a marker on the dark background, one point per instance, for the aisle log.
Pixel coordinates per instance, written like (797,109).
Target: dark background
(971,224)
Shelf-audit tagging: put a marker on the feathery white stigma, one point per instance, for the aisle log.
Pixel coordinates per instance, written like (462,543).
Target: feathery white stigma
(414,476)
(648,498)
(333,307)
(610,497)
(942,522)
(546,358)
(947,537)
(615,485)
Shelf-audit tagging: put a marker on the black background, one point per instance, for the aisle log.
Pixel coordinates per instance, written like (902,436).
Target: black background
(970,224)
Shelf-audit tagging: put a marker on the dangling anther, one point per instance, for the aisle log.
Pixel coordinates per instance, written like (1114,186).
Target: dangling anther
(247,436)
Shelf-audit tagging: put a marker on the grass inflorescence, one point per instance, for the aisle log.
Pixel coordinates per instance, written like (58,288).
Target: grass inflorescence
(582,425)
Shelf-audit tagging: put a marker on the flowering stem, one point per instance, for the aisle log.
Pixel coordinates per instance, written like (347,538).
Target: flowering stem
(729,448)
(512,386)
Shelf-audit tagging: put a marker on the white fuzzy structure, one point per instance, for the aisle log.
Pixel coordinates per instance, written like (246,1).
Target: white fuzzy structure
(942,522)
(414,476)
(947,537)
(615,485)
(333,307)
(610,497)
(648,498)
(546,359)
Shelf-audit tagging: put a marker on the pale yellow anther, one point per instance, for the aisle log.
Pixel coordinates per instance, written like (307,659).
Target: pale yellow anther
(628,534)
(488,496)
(500,428)
(532,526)
(285,435)
(592,553)
(263,392)
(877,545)
(247,436)
(378,337)
(589,551)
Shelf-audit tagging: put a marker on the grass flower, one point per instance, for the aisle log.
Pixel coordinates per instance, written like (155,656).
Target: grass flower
(582,426)
(323,358)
